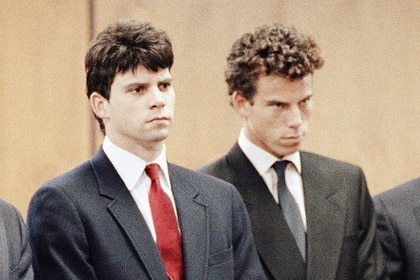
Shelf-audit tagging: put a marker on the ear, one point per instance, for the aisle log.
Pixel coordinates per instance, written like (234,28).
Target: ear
(99,105)
(240,103)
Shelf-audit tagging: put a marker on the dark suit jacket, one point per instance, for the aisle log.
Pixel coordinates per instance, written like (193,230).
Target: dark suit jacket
(85,225)
(341,239)
(15,252)
(398,212)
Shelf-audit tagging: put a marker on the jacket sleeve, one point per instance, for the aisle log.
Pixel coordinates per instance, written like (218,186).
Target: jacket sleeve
(247,263)
(370,256)
(18,252)
(24,268)
(56,233)
(389,240)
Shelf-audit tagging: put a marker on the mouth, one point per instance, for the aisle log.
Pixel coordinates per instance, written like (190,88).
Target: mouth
(293,139)
(158,119)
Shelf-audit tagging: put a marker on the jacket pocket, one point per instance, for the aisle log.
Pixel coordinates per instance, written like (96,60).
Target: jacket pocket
(226,255)
(221,265)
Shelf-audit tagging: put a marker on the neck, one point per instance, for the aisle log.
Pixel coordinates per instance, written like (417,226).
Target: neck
(147,151)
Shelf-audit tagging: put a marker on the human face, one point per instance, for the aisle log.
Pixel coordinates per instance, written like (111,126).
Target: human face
(140,109)
(276,119)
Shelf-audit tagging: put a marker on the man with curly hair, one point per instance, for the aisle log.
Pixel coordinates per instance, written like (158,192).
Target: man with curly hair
(312,216)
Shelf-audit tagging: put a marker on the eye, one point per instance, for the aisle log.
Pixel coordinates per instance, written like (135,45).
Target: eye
(305,101)
(165,85)
(277,104)
(137,89)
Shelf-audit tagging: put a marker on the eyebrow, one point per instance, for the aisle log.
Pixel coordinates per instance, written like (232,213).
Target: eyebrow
(307,96)
(271,100)
(166,80)
(141,84)
(134,84)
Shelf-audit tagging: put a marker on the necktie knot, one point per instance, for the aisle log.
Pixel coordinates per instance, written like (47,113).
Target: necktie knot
(280,166)
(152,170)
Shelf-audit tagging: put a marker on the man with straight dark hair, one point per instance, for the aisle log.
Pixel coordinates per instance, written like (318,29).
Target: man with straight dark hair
(127,213)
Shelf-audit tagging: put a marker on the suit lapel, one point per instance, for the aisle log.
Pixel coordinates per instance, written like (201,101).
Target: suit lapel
(325,218)
(193,221)
(123,208)
(275,243)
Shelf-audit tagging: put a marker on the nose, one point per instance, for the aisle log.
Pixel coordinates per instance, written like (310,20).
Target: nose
(157,100)
(294,117)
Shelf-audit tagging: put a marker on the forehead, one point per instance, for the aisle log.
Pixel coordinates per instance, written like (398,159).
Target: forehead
(141,74)
(276,85)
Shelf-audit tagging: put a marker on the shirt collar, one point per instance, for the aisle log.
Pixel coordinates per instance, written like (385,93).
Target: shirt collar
(263,160)
(129,166)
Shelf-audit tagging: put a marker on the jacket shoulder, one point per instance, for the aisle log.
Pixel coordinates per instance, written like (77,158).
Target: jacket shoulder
(8,213)
(197,175)
(328,164)
(72,175)
(220,168)
(408,191)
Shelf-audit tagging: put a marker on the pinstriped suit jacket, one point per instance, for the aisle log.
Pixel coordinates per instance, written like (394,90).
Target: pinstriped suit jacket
(15,253)
(398,212)
(341,229)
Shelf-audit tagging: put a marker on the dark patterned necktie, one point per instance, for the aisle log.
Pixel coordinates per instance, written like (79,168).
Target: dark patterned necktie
(290,208)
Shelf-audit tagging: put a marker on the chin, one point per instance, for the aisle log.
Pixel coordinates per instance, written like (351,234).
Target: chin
(289,151)
(161,137)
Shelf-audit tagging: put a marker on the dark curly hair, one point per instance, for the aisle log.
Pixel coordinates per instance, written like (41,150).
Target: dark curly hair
(121,47)
(277,49)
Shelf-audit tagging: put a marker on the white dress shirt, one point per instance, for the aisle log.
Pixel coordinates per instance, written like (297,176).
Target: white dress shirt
(131,170)
(263,162)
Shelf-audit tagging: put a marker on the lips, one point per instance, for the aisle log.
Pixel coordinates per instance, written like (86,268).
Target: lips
(293,137)
(159,119)
(293,140)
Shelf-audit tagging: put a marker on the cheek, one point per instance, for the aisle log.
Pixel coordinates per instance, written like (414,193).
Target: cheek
(170,98)
(171,101)
(126,113)
(310,107)
(170,105)
(307,111)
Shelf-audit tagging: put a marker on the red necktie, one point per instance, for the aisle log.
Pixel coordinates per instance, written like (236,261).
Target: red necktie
(168,238)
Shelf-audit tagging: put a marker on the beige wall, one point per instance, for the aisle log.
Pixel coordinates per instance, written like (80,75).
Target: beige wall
(44,127)
(366,96)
